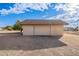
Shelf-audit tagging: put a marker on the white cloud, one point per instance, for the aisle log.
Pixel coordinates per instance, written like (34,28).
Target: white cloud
(44,16)
(71,12)
(22,7)
(4,11)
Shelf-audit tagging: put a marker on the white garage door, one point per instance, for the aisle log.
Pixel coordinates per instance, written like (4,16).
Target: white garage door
(28,30)
(42,30)
(57,29)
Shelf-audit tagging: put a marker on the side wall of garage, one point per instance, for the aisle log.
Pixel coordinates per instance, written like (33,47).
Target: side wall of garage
(43,29)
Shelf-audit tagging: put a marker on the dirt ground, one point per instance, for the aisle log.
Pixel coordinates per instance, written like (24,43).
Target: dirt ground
(67,45)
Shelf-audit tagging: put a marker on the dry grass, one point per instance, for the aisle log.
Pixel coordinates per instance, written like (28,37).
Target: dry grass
(22,45)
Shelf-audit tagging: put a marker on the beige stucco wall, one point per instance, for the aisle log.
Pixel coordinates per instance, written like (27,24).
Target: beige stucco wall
(43,29)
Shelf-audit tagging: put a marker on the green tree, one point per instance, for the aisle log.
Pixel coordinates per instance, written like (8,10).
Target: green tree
(17,26)
(76,29)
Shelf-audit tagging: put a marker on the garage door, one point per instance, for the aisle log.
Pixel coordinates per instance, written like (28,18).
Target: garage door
(57,29)
(28,30)
(42,30)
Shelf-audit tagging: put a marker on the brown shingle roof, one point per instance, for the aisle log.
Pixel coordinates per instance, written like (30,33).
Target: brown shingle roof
(33,22)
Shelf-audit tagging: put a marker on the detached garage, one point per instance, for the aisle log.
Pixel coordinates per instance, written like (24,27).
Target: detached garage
(43,27)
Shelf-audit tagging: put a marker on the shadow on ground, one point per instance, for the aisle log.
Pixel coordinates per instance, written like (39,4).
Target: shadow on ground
(29,43)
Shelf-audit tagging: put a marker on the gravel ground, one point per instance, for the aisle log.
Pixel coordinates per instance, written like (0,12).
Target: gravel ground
(67,45)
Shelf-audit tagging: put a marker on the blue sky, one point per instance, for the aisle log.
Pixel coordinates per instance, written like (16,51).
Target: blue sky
(10,18)
(11,12)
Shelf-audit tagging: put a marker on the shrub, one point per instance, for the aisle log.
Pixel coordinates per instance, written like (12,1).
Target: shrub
(8,28)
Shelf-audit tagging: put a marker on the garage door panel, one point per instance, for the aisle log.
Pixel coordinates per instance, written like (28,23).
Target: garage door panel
(56,29)
(28,30)
(42,30)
